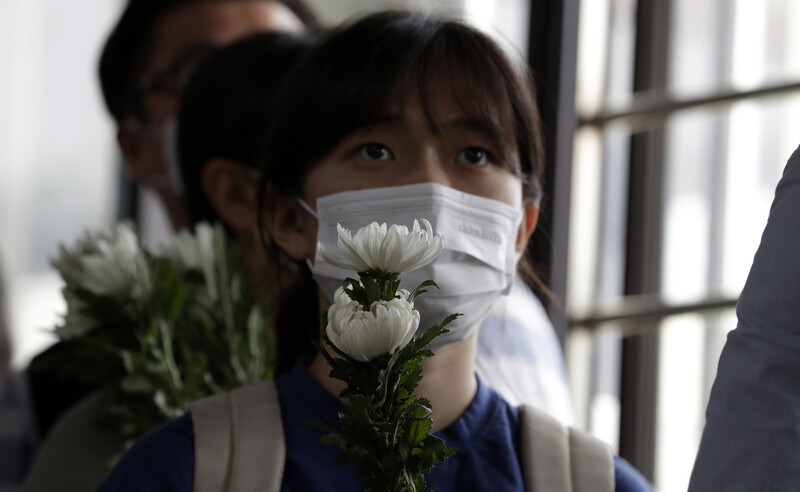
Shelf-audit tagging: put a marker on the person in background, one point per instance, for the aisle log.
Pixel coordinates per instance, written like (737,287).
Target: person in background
(226,106)
(751,440)
(259,61)
(17,433)
(147,59)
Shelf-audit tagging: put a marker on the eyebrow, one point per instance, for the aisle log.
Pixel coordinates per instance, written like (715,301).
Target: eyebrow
(486,127)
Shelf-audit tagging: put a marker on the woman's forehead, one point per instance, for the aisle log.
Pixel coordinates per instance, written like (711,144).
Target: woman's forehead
(440,105)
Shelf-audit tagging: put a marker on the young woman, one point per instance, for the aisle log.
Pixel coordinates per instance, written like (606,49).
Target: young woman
(391,118)
(220,135)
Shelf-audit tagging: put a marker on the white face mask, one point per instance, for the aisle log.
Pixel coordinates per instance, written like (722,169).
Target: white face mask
(476,267)
(174,175)
(168,133)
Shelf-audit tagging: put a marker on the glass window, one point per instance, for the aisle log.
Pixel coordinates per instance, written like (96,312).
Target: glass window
(57,152)
(717,166)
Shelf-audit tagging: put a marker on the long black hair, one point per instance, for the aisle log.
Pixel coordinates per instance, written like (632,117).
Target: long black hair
(358,72)
(226,106)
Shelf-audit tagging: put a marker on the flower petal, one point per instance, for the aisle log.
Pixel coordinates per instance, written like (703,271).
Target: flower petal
(363,335)
(335,260)
(392,249)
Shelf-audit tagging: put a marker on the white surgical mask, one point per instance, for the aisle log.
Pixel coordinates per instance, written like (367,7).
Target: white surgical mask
(168,134)
(171,162)
(475,268)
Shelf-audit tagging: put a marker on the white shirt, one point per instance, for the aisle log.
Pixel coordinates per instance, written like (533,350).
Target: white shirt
(520,356)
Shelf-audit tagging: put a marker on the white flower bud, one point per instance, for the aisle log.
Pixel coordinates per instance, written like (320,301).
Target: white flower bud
(386,327)
(107,262)
(113,269)
(189,251)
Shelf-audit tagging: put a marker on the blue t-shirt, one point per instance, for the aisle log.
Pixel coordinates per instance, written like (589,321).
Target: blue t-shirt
(486,436)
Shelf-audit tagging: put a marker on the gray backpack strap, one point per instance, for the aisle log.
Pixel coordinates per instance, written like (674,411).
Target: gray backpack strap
(592,463)
(211,420)
(545,452)
(239,441)
(556,458)
(259,443)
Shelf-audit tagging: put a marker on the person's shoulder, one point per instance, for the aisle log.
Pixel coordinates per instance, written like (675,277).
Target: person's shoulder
(76,453)
(161,460)
(628,479)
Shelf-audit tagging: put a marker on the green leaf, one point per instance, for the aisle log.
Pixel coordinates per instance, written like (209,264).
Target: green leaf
(421,289)
(136,384)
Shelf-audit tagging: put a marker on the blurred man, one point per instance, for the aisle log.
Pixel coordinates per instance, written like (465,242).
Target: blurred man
(149,57)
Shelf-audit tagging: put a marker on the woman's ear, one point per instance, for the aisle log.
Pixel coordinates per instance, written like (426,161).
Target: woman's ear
(232,192)
(290,227)
(530,218)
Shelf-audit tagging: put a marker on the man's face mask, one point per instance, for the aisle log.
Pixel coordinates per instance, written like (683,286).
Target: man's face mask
(168,134)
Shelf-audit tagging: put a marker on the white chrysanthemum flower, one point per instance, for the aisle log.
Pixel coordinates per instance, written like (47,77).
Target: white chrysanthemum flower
(76,323)
(189,251)
(386,327)
(109,266)
(69,260)
(392,250)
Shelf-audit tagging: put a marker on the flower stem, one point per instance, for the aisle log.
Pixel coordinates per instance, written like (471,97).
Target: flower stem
(169,355)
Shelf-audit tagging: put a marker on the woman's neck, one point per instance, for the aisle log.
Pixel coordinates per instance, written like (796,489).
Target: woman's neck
(448,380)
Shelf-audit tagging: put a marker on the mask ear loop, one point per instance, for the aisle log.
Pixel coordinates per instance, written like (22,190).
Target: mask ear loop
(313,213)
(171,160)
(307,207)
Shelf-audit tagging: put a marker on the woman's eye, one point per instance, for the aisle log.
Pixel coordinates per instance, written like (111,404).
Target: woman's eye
(375,152)
(475,156)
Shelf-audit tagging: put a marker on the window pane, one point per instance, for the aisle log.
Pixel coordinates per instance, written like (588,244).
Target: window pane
(57,157)
(740,44)
(721,171)
(689,347)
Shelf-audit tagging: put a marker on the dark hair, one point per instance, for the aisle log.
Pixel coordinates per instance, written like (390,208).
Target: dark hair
(123,56)
(358,71)
(225,105)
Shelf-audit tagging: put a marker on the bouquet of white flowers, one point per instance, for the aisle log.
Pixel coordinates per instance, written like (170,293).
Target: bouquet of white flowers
(158,330)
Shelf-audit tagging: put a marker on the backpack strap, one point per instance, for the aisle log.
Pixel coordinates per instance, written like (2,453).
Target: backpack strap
(211,421)
(556,458)
(239,441)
